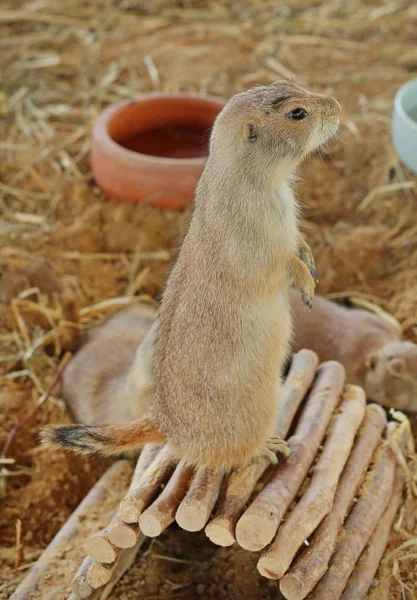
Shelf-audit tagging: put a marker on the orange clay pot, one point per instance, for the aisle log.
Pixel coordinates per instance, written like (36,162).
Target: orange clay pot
(153,149)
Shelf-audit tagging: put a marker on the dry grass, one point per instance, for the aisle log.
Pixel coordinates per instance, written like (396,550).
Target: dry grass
(62,62)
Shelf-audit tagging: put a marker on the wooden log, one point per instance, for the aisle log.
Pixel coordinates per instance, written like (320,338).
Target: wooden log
(258,525)
(295,387)
(312,562)
(100,548)
(122,564)
(375,495)
(121,534)
(146,486)
(99,574)
(111,573)
(103,546)
(157,517)
(195,509)
(365,569)
(221,528)
(90,505)
(239,487)
(79,585)
(317,500)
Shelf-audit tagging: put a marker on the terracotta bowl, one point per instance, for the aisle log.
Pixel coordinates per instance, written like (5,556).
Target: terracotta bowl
(153,149)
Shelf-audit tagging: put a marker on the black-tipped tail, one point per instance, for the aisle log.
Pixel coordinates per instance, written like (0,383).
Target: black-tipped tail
(109,440)
(85,439)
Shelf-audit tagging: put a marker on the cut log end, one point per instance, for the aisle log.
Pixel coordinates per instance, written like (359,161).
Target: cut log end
(253,532)
(269,567)
(81,588)
(150,525)
(123,535)
(99,574)
(79,585)
(292,588)
(129,510)
(100,549)
(191,518)
(219,533)
(195,510)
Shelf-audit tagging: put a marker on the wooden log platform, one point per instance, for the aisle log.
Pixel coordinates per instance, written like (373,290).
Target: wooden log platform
(338,478)
(335,442)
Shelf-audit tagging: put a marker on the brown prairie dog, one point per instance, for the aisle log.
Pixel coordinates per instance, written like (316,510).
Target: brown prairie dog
(368,347)
(224,324)
(99,381)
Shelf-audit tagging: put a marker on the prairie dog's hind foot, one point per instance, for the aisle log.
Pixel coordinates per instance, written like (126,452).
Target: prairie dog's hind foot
(277,444)
(273,445)
(270,455)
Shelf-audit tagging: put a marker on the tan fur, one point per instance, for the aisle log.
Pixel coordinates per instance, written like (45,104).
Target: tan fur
(224,323)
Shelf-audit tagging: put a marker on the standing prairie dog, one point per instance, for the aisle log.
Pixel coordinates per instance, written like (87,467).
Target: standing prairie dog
(224,323)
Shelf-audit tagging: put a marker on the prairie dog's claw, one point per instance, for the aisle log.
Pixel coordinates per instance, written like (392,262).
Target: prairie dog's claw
(306,255)
(308,300)
(271,456)
(314,274)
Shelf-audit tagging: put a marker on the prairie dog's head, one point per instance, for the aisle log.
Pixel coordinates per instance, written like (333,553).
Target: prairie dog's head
(391,375)
(276,125)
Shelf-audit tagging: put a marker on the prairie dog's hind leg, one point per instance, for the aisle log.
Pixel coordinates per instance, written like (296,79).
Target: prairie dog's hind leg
(302,280)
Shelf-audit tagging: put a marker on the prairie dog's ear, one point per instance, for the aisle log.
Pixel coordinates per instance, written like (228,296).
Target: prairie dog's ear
(250,131)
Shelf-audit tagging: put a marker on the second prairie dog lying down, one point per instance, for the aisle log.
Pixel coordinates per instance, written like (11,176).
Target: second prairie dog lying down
(103,385)
(369,348)
(99,384)
(224,325)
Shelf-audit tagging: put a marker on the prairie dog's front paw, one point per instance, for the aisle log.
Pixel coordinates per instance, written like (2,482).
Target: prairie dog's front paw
(302,280)
(308,300)
(306,255)
(307,291)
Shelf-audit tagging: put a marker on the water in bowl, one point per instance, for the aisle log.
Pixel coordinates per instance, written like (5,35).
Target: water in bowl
(170,142)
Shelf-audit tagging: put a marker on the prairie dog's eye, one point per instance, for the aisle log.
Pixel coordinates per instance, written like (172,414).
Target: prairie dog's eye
(298,114)
(251,132)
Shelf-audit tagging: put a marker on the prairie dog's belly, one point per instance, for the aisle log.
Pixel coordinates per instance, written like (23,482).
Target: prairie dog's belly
(262,343)
(219,389)
(249,343)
